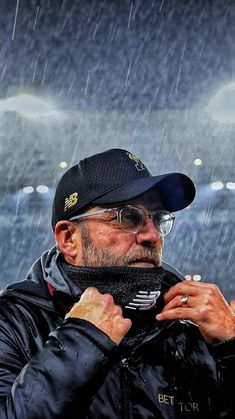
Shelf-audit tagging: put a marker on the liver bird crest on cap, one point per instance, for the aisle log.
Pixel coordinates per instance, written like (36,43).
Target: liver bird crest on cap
(138,163)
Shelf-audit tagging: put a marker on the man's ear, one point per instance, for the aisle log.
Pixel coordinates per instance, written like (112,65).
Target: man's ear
(68,239)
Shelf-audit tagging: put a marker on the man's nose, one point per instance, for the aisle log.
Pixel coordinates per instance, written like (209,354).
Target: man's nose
(148,233)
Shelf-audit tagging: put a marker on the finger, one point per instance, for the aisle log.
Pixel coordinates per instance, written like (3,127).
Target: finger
(179,302)
(199,314)
(89,292)
(185,288)
(125,324)
(117,311)
(176,313)
(108,299)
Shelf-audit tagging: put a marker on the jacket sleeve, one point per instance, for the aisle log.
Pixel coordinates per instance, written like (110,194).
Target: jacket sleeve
(61,378)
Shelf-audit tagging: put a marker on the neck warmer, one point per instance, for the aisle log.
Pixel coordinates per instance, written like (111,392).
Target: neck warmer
(125,284)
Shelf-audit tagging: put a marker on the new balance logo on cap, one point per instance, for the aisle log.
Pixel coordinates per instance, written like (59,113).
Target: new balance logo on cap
(70,201)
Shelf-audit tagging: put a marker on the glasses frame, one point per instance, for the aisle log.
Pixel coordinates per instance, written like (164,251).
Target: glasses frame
(118,211)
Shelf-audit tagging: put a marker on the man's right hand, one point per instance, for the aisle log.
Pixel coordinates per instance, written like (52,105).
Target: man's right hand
(101,310)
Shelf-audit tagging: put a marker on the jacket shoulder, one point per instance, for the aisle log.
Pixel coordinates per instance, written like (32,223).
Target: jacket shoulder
(173,271)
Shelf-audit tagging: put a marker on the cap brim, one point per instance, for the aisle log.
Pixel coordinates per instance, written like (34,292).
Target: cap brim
(177,191)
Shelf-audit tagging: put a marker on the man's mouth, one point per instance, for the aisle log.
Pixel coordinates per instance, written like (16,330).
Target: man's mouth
(143,263)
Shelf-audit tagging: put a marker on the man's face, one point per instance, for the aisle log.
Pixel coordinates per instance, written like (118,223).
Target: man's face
(104,243)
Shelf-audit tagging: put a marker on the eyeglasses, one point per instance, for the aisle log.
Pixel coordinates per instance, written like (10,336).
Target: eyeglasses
(132,219)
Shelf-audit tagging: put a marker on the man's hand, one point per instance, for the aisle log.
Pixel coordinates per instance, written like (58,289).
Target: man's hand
(101,310)
(205,306)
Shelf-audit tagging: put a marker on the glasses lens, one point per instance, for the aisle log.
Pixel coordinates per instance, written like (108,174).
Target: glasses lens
(163,222)
(131,219)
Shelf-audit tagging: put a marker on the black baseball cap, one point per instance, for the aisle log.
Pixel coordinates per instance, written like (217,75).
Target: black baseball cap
(116,176)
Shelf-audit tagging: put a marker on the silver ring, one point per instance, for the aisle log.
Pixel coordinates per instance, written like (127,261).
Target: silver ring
(184,299)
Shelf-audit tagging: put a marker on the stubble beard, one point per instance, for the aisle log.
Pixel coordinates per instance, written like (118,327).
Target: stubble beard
(97,256)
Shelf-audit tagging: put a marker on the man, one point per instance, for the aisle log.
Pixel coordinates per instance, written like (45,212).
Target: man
(101,327)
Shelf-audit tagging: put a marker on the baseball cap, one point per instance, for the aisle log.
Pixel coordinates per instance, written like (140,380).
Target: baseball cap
(116,176)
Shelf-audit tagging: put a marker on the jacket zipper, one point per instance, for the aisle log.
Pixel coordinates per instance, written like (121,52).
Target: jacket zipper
(126,390)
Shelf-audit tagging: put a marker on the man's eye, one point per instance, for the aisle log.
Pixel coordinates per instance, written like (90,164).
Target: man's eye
(135,219)
(131,216)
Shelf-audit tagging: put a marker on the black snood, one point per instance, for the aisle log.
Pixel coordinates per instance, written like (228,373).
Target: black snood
(124,284)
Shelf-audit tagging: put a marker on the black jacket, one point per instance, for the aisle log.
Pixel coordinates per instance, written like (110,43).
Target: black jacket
(51,368)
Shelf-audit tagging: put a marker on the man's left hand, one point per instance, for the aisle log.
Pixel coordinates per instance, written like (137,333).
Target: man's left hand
(203,304)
